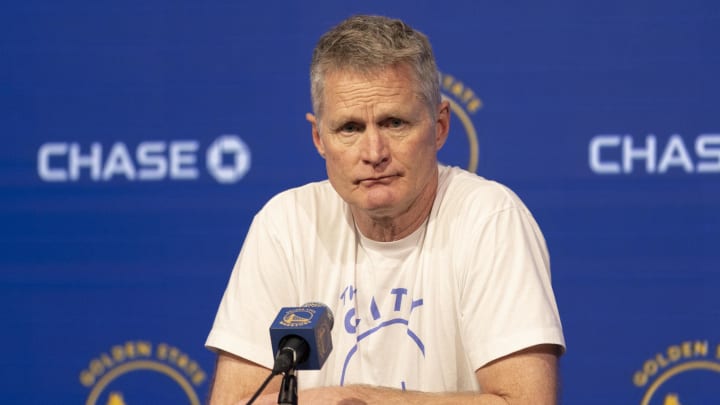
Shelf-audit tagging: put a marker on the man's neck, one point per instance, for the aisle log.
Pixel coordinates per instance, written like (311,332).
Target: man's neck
(396,227)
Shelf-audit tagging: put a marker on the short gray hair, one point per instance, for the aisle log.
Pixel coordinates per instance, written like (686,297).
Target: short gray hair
(366,44)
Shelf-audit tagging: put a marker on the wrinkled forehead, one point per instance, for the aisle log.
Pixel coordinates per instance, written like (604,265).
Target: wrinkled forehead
(373,72)
(388,82)
(399,77)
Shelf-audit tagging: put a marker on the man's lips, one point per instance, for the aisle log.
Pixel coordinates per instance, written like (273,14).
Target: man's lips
(377,180)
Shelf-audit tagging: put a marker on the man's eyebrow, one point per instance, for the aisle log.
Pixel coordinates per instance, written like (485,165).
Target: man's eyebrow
(405,113)
(344,120)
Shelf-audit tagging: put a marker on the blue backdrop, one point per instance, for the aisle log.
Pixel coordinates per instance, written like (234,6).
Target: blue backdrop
(139,139)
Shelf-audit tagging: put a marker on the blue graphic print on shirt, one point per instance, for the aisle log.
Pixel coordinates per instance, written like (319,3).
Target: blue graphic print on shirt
(399,315)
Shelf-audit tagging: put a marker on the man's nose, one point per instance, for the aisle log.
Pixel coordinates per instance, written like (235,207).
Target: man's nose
(374,147)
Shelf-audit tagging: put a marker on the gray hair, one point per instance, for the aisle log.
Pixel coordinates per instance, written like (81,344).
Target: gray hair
(367,44)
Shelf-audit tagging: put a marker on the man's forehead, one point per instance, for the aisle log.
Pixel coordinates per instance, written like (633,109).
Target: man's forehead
(370,73)
(347,88)
(375,101)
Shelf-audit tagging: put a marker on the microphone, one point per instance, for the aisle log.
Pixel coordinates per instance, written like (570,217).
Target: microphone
(301,336)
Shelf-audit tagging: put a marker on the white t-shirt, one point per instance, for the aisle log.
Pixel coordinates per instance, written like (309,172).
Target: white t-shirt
(422,313)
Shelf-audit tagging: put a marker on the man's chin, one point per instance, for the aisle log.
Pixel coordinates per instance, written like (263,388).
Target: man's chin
(379,209)
(377,203)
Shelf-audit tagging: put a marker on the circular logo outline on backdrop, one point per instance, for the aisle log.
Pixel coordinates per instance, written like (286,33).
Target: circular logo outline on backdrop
(138,365)
(689,366)
(139,355)
(473,144)
(695,355)
(460,96)
(228,144)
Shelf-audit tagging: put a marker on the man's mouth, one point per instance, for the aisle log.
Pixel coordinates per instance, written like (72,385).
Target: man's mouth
(377,180)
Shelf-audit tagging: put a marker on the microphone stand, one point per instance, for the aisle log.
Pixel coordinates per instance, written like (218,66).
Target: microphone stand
(288,389)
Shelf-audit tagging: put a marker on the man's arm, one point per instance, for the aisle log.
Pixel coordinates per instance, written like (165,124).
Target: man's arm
(527,377)
(236,378)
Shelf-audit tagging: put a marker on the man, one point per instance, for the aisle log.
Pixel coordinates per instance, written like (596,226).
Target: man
(438,279)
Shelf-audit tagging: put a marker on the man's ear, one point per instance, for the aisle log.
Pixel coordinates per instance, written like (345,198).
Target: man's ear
(442,128)
(316,134)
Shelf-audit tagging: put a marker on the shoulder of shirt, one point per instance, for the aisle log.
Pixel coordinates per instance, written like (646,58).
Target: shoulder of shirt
(460,188)
(305,200)
(314,190)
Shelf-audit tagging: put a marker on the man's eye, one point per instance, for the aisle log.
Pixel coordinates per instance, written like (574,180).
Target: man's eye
(394,123)
(350,127)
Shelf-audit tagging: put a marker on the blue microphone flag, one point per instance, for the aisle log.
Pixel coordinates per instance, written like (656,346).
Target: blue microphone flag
(312,322)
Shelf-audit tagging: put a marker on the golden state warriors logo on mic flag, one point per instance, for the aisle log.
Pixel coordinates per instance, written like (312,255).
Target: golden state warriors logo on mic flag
(297,317)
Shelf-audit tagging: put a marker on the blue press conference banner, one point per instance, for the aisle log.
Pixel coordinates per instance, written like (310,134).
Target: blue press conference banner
(139,139)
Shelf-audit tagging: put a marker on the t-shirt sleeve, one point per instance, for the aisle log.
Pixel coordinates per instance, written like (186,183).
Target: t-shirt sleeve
(261,282)
(507,300)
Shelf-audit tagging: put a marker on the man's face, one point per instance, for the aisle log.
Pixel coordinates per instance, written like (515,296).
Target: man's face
(379,140)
